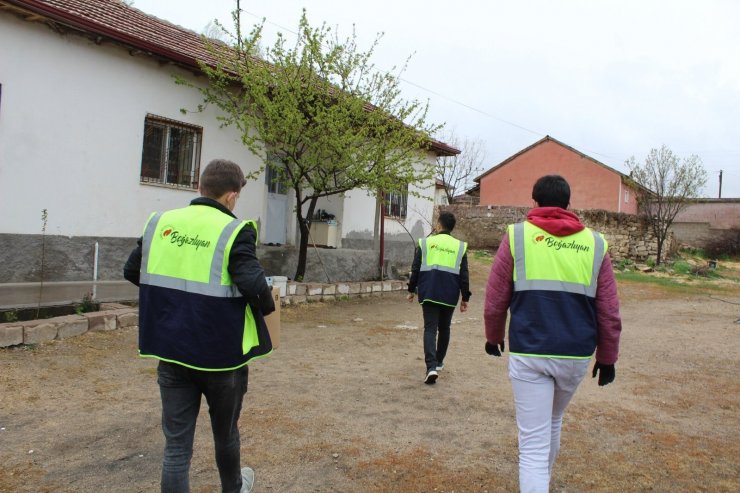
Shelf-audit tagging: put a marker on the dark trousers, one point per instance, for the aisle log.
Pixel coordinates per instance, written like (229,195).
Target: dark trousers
(181,389)
(437,319)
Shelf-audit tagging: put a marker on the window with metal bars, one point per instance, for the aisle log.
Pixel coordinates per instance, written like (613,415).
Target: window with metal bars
(171,152)
(394,204)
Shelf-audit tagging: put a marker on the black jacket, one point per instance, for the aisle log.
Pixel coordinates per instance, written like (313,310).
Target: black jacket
(244,268)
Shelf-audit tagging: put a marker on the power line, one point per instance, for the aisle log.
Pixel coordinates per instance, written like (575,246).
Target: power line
(426,89)
(483,112)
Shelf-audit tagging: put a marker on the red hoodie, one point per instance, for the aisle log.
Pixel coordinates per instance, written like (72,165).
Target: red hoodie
(558,222)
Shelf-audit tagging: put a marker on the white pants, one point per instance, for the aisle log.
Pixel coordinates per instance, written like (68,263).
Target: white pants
(542,387)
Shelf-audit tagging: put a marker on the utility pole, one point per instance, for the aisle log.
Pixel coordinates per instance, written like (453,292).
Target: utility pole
(720,184)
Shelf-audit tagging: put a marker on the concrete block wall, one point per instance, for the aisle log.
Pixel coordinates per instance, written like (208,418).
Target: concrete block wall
(113,316)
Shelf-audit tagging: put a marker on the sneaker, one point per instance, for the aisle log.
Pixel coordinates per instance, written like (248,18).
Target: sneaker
(440,366)
(431,377)
(247,479)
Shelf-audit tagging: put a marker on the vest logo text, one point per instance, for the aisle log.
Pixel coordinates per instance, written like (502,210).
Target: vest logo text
(442,249)
(180,239)
(557,244)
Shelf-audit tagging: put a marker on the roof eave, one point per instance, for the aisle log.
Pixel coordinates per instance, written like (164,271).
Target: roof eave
(71,20)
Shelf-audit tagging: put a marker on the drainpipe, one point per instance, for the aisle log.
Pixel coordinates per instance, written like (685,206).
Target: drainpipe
(95,272)
(382,238)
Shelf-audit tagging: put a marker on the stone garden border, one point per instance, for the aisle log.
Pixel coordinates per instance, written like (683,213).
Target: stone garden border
(114,316)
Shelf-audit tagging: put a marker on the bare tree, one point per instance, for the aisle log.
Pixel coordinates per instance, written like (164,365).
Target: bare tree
(671,182)
(216,32)
(457,172)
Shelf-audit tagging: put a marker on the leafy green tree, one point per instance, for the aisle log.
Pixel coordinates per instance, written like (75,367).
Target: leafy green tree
(321,114)
(672,183)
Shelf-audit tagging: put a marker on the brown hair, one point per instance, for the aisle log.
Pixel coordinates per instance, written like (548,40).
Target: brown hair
(220,177)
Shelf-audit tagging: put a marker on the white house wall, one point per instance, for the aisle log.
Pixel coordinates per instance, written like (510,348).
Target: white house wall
(72,119)
(71,132)
(359,214)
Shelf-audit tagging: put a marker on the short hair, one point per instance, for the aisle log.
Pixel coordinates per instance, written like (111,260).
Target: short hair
(447,220)
(551,191)
(220,177)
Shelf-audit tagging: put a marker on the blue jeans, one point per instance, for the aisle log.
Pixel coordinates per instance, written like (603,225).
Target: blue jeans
(181,389)
(437,320)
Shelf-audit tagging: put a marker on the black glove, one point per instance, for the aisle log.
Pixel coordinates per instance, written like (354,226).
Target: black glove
(265,303)
(495,349)
(606,373)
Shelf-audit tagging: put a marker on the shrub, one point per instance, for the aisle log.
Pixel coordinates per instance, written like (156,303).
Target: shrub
(87,305)
(693,251)
(681,267)
(624,264)
(723,244)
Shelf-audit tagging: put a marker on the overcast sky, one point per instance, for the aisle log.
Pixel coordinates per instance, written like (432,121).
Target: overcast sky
(611,78)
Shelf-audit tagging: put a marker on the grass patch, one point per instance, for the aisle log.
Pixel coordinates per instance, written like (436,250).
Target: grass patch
(482,254)
(674,284)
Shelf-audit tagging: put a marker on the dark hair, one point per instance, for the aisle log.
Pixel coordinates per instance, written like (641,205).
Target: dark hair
(551,191)
(220,177)
(447,221)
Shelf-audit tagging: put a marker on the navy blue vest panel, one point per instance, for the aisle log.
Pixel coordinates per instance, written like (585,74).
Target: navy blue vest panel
(552,323)
(439,286)
(196,330)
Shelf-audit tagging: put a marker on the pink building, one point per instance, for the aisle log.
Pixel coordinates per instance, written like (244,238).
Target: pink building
(704,219)
(593,185)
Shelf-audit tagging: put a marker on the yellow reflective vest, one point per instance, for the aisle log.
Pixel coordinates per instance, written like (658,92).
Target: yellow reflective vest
(191,313)
(553,312)
(439,274)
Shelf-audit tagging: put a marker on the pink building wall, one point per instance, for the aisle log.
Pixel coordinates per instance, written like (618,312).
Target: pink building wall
(593,185)
(717,213)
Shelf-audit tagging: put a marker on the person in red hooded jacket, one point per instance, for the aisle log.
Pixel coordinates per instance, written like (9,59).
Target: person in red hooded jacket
(555,278)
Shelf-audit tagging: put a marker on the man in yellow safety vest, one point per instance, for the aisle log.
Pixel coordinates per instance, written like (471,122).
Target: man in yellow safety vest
(554,277)
(202,300)
(439,274)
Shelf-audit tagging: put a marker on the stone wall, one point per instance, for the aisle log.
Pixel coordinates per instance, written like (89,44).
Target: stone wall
(628,236)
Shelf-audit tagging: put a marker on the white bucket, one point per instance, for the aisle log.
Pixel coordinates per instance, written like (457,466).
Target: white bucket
(280,282)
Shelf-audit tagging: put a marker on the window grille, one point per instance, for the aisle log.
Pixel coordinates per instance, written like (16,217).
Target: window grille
(394,204)
(171,152)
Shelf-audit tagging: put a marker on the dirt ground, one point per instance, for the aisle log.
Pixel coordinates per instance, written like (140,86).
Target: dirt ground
(341,407)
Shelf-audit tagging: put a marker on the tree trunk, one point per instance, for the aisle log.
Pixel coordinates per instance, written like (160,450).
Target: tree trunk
(305,226)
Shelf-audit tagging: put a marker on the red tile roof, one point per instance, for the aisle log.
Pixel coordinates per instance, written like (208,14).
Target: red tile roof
(114,20)
(547,138)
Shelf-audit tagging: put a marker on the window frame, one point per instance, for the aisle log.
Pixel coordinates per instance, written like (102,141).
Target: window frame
(274,185)
(396,200)
(187,168)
